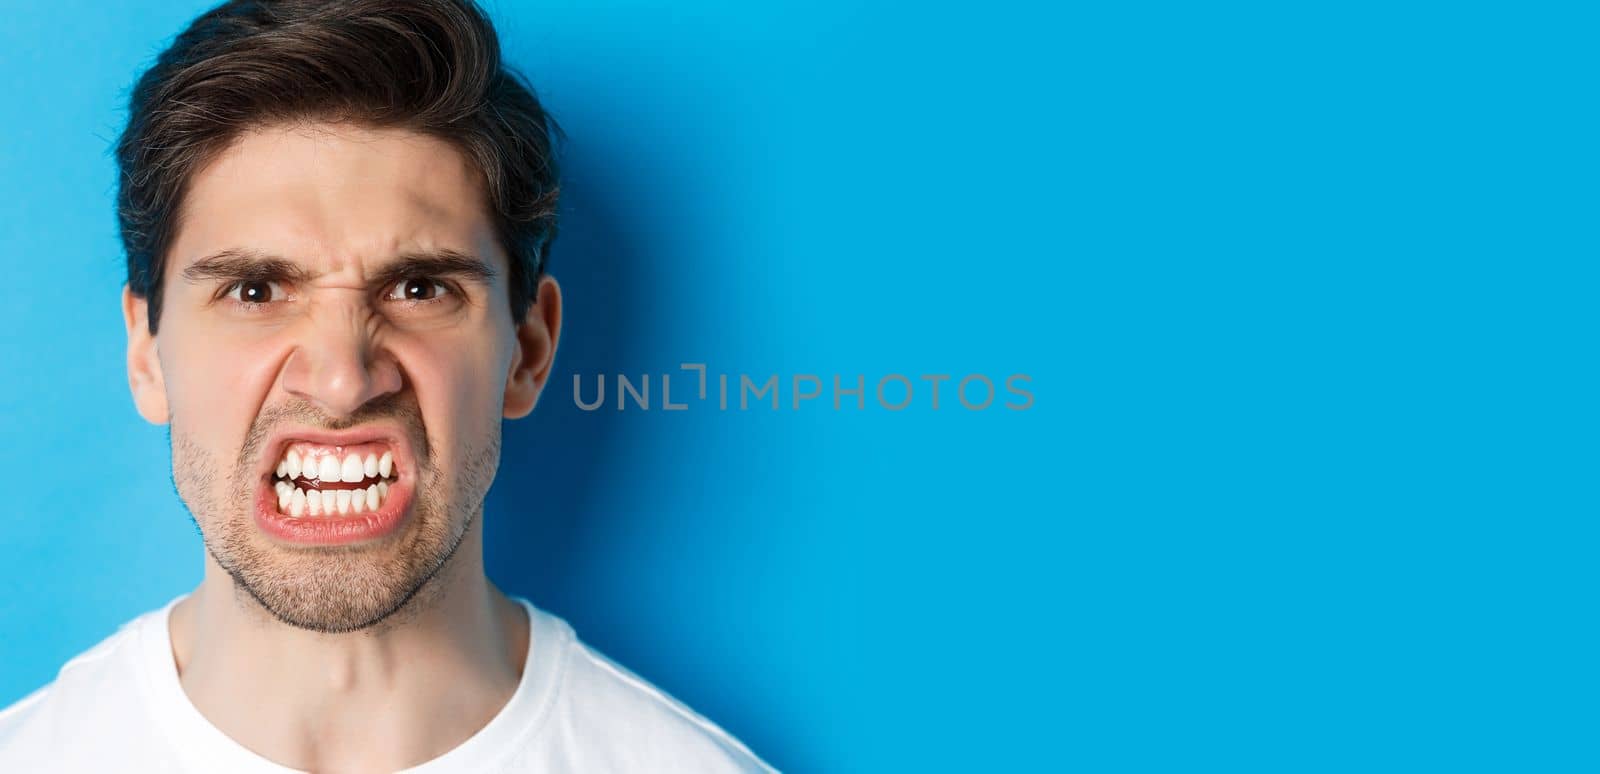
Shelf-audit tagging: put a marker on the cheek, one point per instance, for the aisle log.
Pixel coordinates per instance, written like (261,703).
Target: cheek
(458,382)
(216,383)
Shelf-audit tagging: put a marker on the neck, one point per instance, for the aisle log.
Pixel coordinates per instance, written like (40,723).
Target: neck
(367,700)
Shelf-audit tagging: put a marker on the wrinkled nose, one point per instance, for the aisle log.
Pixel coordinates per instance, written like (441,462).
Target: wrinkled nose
(336,365)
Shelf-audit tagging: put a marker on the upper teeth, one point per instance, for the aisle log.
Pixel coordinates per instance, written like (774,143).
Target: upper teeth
(330,468)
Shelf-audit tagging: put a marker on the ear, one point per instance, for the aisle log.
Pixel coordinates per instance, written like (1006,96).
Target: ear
(537,336)
(144,366)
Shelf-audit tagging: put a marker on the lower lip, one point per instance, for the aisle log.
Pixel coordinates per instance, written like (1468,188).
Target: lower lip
(332,530)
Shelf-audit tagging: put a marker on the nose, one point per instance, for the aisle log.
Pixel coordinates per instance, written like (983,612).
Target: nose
(335,363)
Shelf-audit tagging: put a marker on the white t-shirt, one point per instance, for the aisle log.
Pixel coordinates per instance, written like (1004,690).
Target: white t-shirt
(119,707)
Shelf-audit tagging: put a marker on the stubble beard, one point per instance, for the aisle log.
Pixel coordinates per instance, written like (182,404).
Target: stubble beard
(334,589)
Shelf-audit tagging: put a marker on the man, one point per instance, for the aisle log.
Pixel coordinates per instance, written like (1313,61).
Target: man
(336,216)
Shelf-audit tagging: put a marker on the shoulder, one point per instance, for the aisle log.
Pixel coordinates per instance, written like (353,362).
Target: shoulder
(624,723)
(94,693)
(79,685)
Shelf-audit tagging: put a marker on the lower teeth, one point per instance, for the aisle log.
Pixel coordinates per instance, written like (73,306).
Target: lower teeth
(294,501)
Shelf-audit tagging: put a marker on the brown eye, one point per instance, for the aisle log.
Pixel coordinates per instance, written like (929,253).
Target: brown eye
(255,292)
(417,289)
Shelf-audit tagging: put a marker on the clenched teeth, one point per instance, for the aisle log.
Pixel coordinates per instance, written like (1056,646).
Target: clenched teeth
(302,482)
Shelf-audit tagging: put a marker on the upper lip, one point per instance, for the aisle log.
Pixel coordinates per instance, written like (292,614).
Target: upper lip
(282,437)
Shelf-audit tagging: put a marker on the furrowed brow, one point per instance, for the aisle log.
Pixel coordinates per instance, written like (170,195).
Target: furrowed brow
(245,265)
(435,263)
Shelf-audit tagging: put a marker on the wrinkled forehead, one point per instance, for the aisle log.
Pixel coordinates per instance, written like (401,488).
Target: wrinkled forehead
(334,197)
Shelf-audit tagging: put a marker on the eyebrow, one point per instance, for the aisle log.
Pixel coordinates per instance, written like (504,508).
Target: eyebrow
(238,265)
(434,263)
(245,265)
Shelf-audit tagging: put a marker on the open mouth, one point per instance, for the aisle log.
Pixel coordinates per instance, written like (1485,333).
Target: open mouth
(332,481)
(335,489)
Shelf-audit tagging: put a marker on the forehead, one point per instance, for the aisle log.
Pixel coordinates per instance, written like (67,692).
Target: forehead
(333,196)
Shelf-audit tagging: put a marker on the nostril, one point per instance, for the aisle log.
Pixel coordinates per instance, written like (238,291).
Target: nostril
(337,376)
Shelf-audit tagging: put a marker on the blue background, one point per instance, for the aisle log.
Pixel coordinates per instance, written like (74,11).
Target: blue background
(1307,296)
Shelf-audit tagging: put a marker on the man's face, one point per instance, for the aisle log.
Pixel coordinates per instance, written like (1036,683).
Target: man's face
(322,311)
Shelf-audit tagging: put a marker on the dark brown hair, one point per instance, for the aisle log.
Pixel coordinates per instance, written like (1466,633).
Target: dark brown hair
(430,66)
